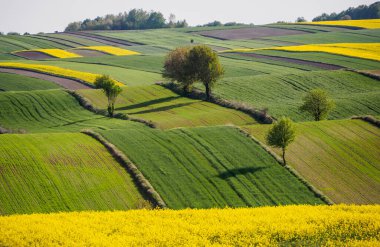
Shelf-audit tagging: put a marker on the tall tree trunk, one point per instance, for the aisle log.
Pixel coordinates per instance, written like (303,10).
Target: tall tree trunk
(283,156)
(208,92)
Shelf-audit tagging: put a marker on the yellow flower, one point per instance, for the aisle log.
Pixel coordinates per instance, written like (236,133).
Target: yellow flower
(110,50)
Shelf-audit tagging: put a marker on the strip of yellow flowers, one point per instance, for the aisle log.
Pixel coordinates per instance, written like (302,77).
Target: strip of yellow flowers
(360,50)
(338,225)
(368,24)
(110,50)
(58,53)
(54,70)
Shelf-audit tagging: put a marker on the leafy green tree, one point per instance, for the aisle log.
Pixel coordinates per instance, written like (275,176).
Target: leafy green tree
(175,68)
(110,89)
(203,63)
(318,104)
(281,134)
(301,19)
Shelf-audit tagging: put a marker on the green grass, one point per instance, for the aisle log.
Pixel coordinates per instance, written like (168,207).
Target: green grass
(130,77)
(209,167)
(42,173)
(34,41)
(7,56)
(347,62)
(341,158)
(13,82)
(282,93)
(73,39)
(167,109)
(51,111)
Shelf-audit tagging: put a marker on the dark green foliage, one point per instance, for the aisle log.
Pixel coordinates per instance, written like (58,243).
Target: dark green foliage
(204,64)
(318,104)
(133,20)
(281,134)
(110,89)
(361,12)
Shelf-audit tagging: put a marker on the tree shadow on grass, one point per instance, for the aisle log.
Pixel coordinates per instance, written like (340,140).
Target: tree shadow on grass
(240,171)
(163,108)
(148,103)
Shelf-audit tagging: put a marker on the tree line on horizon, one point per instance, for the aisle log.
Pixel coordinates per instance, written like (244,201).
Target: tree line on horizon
(135,19)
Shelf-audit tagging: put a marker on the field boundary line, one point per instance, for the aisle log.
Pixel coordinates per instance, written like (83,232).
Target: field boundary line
(369,119)
(84,102)
(259,115)
(316,192)
(142,183)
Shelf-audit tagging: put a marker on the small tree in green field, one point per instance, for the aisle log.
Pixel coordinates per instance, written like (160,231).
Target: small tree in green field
(281,134)
(204,64)
(110,89)
(318,104)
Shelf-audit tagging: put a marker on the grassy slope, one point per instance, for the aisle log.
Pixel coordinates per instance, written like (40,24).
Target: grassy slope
(282,93)
(348,62)
(130,77)
(167,109)
(13,82)
(61,172)
(50,111)
(341,158)
(210,167)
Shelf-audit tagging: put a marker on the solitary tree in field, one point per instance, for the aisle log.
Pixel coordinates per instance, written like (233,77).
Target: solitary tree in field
(175,68)
(281,134)
(110,89)
(318,104)
(204,64)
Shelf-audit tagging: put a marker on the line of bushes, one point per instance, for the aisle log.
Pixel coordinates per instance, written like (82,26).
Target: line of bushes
(260,115)
(84,102)
(369,119)
(316,192)
(142,183)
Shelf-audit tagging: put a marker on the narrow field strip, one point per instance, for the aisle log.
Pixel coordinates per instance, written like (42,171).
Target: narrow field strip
(64,82)
(359,50)
(268,226)
(18,82)
(54,70)
(116,51)
(367,24)
(61,172)
(57,53)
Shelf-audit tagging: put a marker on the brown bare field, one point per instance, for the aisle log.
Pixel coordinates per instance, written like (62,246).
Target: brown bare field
(249,33)
(64,82)
(33,55)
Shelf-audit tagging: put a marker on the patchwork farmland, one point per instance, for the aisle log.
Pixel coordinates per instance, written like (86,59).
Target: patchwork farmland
(109,120)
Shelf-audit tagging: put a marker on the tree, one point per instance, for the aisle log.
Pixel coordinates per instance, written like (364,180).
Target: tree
(110,89)
(318,104)
(176,69)
(281,134)
(203,64)
(301,19)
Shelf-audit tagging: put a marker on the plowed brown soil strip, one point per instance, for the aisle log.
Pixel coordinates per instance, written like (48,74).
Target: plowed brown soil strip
(34,55)
(64,82)
(296,61)
(249,33)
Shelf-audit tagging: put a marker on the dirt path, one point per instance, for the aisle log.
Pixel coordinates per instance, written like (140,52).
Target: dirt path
(296,61)
(64,82)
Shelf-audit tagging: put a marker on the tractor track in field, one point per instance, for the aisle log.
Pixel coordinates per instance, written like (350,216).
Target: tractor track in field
(71,84)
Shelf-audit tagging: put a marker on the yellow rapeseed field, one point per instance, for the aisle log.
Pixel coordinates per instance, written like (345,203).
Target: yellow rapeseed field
(54,70)
(360,50)
(368,24)
(111,50)
(58,53)
(338,225)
